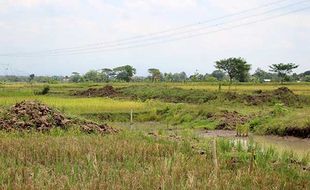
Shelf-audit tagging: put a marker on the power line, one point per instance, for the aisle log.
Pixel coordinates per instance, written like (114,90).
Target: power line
(163,38)
(181,33)
(190,36)
(116,42)
(175,29)
(160,32)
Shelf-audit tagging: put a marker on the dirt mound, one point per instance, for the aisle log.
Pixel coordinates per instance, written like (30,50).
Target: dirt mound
(258,99)
(230,120)
(282,94)
(106,91)
(28,115)
(283,91)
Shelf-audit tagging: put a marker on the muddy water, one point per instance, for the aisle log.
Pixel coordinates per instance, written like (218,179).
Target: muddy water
(300,147)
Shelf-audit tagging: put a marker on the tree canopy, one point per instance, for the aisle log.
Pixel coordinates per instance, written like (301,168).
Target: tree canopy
(236,68)
(283,69)
(124,73)
(155,74)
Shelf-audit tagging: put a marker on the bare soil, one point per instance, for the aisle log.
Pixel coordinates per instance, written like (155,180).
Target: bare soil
(229,120)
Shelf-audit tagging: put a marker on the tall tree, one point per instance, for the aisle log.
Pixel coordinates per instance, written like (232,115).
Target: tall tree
(75,77)
(125,73)
(31,77)
(106,74)
(236,68)
(155,74)
(92,76)
(283,69)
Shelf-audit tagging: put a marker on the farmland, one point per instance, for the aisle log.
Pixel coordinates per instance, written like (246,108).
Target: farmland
(165,146)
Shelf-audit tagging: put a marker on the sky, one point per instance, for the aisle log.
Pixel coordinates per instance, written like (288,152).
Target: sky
(39,25)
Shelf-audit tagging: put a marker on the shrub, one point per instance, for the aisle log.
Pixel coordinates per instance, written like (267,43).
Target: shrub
(279,109)
(44,91)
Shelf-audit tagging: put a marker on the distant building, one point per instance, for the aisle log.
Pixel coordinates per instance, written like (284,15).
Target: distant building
(267,80)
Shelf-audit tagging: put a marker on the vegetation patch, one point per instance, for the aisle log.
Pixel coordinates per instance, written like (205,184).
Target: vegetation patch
(32,115)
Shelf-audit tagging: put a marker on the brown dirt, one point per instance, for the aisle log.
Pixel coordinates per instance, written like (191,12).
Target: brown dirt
(106,91)
(230,120)
(28,115)
(298,132)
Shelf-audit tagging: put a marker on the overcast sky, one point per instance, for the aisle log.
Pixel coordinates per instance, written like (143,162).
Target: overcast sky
(36,25)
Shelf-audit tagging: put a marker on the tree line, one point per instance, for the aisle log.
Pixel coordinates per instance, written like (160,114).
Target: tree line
(230,70)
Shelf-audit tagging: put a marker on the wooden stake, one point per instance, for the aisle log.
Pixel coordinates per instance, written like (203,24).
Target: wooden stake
(252,160)
(131,116)
(215,161)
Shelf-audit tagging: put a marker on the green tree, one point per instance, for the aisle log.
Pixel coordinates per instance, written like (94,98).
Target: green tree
(168,77)
(75,77)
(196,77)
(106,75)
(306,78)
(283,69)
(31,77)
(91,76)
(155,74)
(218,74)
(124,73)
(236,68)
(261,75)
(306,73)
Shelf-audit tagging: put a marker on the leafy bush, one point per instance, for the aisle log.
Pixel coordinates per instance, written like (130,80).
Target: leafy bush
(279,109)
(44,91)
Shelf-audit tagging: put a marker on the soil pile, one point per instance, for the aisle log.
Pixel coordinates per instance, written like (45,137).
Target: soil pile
(229,120)
(283,94)
(29,115)
(106,91)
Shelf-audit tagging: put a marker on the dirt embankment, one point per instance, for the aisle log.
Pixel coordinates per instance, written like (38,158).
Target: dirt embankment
(259,97)
(32,115)
(106,91)
(301,132)
(283,94)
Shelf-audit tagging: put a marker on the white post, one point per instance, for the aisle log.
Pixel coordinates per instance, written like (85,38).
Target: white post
(131,117)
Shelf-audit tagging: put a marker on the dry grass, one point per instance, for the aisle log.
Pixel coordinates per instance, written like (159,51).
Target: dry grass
(133,161)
